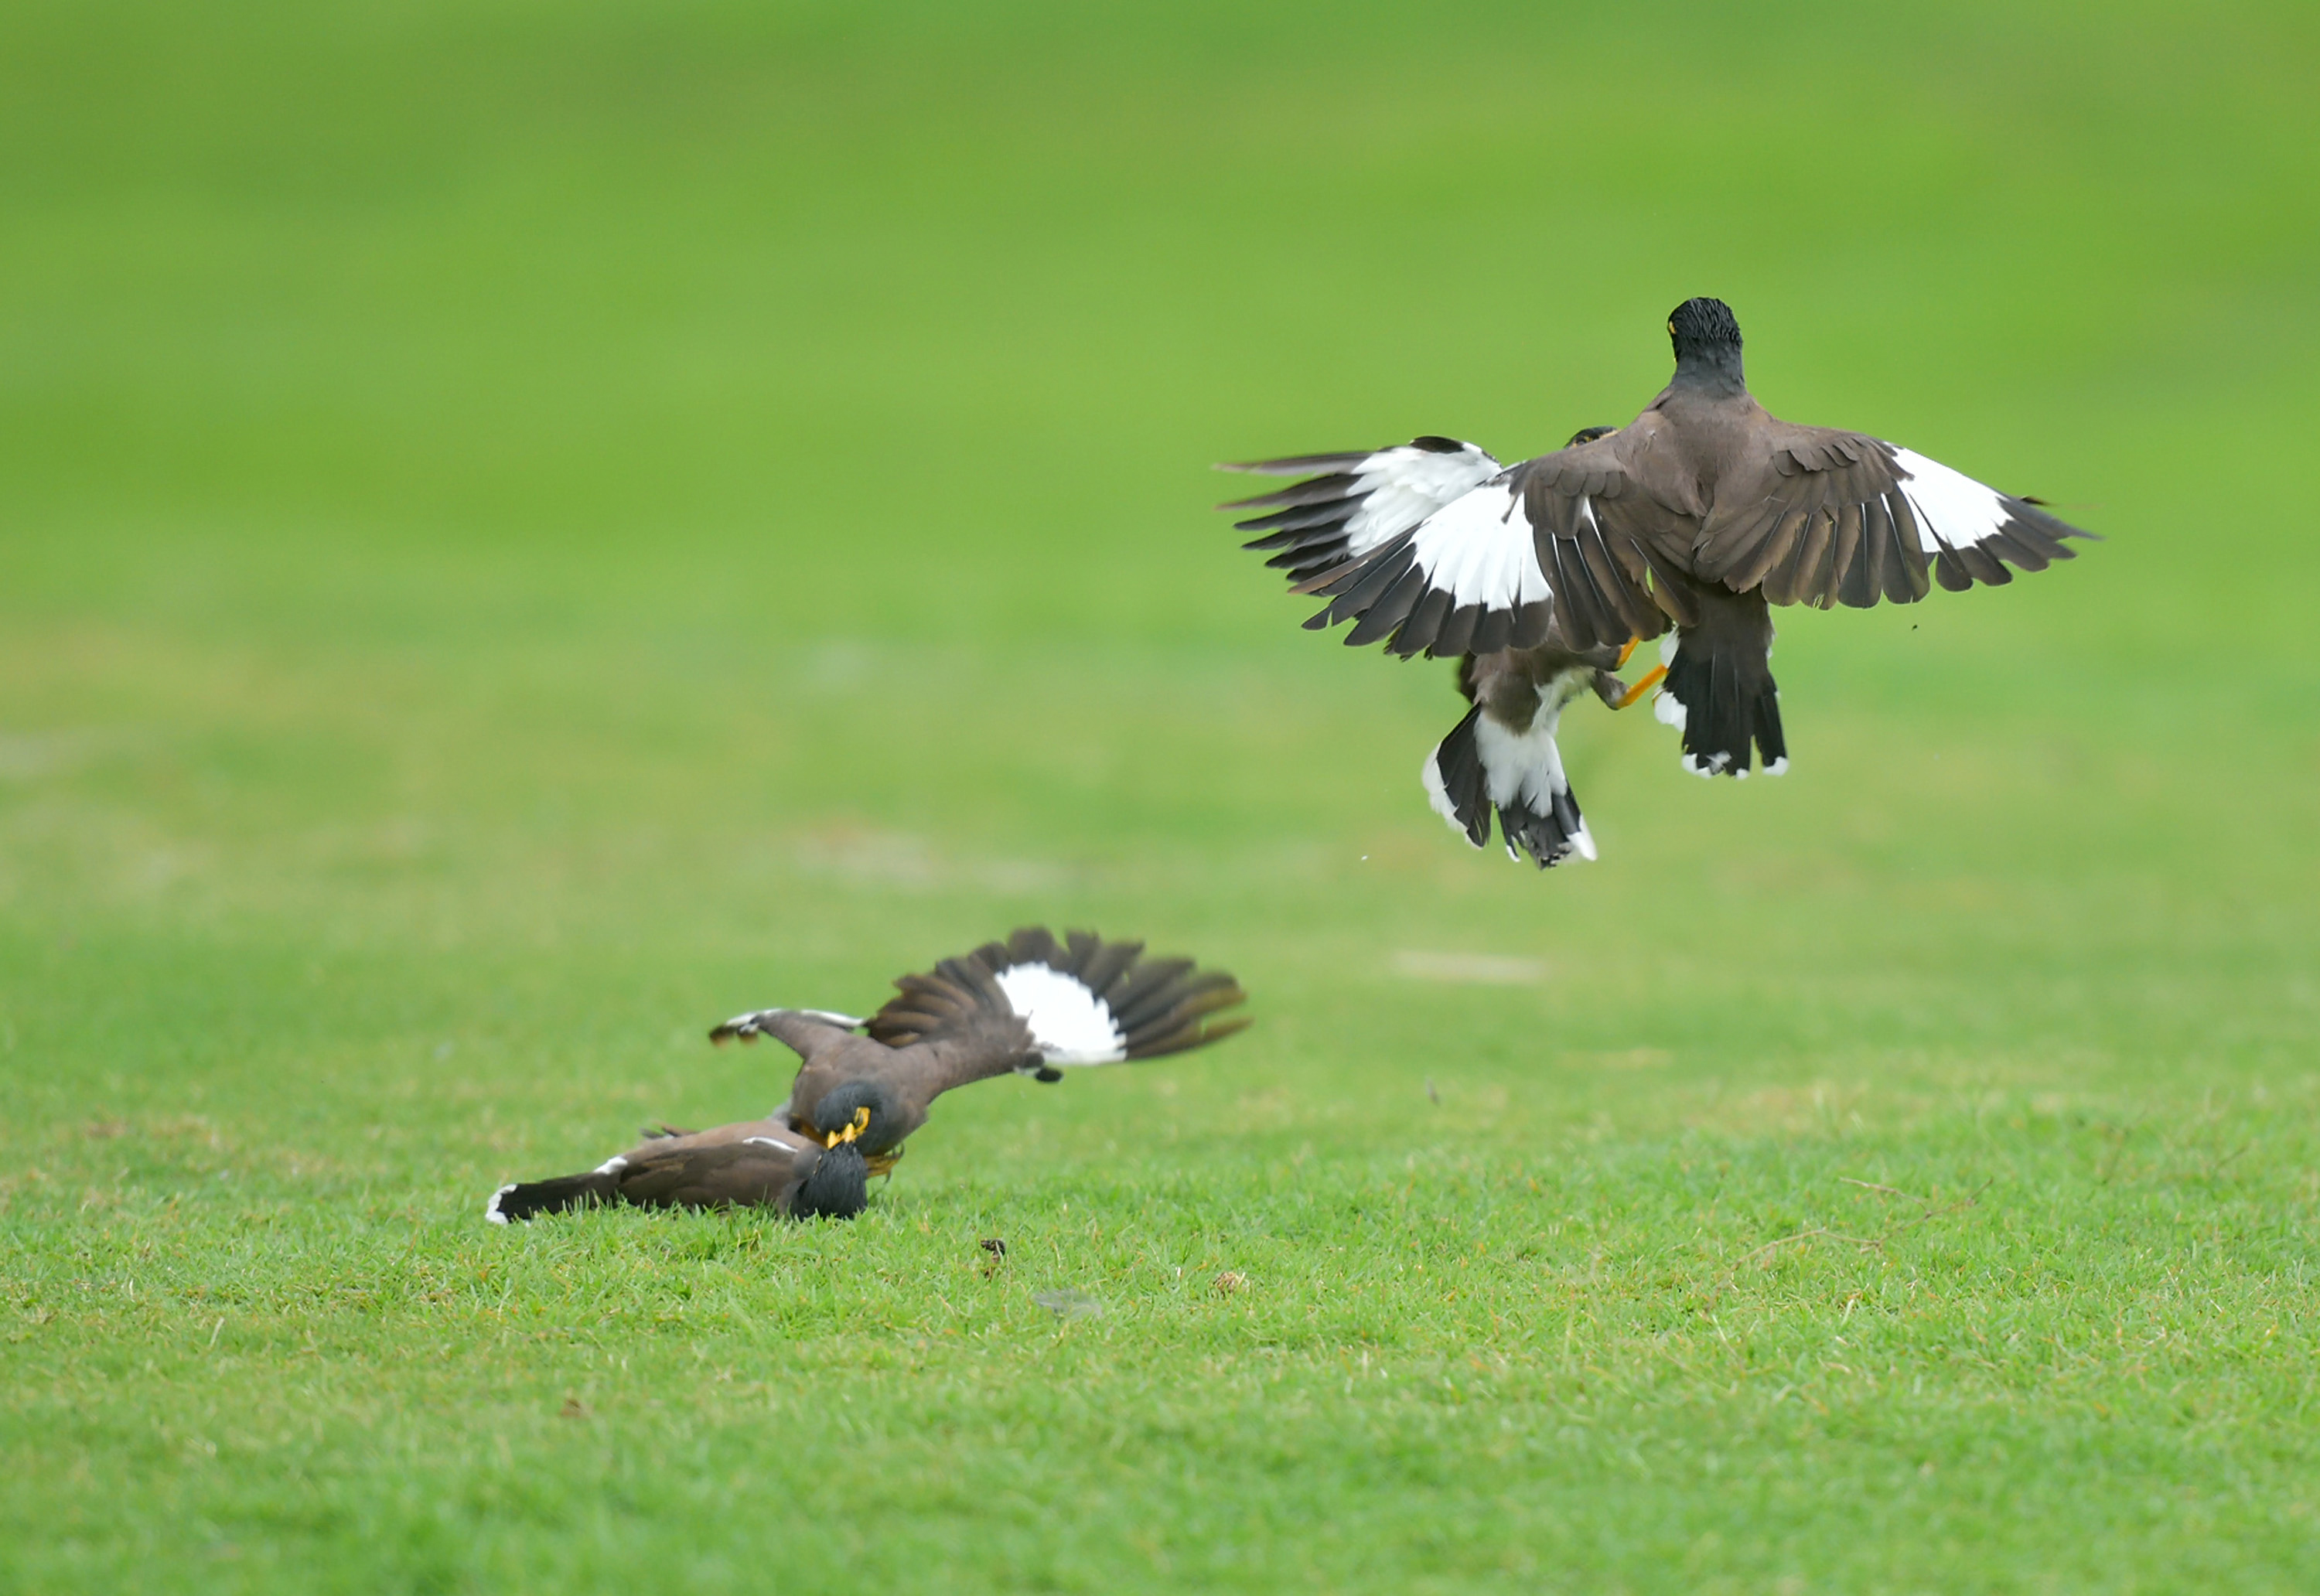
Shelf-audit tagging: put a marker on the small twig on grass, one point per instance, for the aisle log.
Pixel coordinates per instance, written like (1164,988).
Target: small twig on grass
(1889,1190)
(1926,1204)
(1874,1242)
(2216,1167)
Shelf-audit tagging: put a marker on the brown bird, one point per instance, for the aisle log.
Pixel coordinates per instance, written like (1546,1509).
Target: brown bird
(1542,577)
(753,1164)
(1030,1005)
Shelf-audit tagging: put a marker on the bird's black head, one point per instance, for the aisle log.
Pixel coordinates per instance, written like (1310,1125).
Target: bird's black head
(838,1188)
(1703,324)
(862,1113)
(1706,342)
(1589,435)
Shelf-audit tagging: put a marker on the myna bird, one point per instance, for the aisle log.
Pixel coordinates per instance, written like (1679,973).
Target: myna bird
(1030,1005)
(1542,576)
(752,1164)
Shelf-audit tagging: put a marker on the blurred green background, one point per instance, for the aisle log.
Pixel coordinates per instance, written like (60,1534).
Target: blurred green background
(526,528)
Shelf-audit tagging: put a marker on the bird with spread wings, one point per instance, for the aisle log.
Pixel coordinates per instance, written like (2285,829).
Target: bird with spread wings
(1030,1005)
(1542,577)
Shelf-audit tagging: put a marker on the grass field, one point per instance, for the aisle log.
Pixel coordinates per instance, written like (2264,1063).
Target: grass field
(526,530)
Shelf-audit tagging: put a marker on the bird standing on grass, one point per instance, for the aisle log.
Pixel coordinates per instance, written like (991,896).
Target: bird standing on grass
(1542,577)
(1030,1005)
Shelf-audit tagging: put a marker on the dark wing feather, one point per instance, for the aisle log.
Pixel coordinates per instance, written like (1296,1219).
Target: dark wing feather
(1080,1000)
(1356,502)
(1822,517)
(1592,528)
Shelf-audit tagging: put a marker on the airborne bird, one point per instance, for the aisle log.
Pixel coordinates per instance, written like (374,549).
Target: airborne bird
(1030,1005)
(1541,577)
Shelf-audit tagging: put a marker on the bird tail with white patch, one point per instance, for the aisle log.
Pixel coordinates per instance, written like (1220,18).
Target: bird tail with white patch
(1483,766)
(1722,698)
(524,1199)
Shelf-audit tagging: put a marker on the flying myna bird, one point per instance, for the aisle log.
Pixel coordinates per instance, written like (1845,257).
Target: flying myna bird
(1030,1005)
(1541,577)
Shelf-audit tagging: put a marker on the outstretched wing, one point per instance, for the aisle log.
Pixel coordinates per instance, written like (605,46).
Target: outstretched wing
(1594,528)
(1433,548)
(1423,544)
(806,1032)
(1823,517)
(1350,504)
(1082,1000)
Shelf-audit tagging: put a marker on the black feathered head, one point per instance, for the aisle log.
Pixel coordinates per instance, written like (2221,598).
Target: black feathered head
(859,1113)
(837,1188)
(1701,325)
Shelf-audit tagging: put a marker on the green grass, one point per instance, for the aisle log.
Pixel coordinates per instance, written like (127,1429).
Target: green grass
(525,530)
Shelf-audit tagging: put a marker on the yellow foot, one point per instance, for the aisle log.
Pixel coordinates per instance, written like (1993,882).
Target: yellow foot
(1651,680)
(1620,663)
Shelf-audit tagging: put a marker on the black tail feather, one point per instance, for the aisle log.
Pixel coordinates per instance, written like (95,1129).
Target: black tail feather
(1455,781)
(1457,778)
(1548,839)
(527,1199)
(1719,687)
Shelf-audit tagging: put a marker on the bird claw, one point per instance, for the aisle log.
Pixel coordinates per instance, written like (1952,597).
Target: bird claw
(1652,678)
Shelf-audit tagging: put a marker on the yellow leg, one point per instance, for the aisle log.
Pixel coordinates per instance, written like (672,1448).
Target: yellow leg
(1649,682)
(1621,662)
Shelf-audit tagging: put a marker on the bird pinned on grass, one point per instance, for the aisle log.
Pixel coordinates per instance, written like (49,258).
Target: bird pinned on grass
(1542,577)
(1031,1005)
(764,1163)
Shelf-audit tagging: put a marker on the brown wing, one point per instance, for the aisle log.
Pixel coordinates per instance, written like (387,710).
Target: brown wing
(762,1172)
(1047,1004)
(1593,526)
(1819,516)
(1553,551)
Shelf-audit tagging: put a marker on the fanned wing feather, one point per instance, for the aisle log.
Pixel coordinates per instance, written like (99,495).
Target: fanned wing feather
(1826,517)
(1083,1001)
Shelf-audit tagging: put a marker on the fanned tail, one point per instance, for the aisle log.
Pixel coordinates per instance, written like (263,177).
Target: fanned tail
(1719,693)
(1482,766)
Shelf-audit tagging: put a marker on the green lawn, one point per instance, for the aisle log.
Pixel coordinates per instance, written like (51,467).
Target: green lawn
(525,530)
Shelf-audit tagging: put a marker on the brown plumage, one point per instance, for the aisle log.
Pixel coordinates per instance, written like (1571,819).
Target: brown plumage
(1031,1005)
(750,1164)
(1696,516)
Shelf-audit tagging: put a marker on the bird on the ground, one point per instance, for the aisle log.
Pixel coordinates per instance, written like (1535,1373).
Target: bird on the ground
(1542,577)
(765,1163)
(1030,1005)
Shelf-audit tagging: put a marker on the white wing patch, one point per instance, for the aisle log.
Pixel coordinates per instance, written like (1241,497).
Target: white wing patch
(1480,550)
(1951,507)
(1069,1023)
(1400,488)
